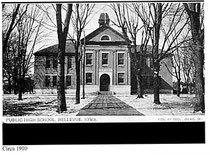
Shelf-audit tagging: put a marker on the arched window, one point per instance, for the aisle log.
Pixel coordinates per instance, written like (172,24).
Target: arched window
(105,37)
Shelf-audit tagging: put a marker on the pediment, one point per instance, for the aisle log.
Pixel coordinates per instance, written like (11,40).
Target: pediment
(113,36)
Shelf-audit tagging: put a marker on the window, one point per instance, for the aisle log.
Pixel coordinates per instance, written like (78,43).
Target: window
(68,80)
(47,81)
(88,78)
(54,81)
(104,58)
(69,63)
(89,58)
(121,78)
(150,62)
(55,62)
(47,62)
(105,37)
(120,58)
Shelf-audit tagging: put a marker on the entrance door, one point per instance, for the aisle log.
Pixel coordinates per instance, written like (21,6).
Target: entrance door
(104,82)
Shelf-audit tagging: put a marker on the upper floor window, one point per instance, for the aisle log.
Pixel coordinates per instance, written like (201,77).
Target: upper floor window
(149,62)
(89,58)
(105,37)
(69,62)
(55,62)
(47,62)
(121,58)
(105,58)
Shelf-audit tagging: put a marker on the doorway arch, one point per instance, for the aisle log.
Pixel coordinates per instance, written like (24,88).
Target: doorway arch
(104,82)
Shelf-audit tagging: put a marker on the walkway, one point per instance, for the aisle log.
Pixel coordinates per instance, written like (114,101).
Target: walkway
(107,104)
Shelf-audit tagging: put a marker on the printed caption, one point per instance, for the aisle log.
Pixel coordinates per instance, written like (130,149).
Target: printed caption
(15,148)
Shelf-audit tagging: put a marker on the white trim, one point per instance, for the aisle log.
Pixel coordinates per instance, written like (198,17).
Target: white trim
(89,51)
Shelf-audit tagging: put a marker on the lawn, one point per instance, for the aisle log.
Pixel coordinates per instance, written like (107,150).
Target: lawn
(170,104)
(46,105)
(40,105)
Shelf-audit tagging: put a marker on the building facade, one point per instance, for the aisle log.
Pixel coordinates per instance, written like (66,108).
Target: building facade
(107,64)
(166,79)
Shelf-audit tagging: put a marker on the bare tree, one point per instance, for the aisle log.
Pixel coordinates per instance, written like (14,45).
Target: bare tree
(176,64)
(20,46)
(188,66)
(10,19)
(62,31)
(128,22)
(162,21)
(80,18)
(195,13)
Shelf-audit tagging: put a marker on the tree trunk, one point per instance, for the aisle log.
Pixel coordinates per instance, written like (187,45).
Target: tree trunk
(194,13)
(61,79)
(156,63)
(20,83)
(178,87)
(77,80)
(156,84)
(199,82)
(62,34)
(9,84)
(139,84)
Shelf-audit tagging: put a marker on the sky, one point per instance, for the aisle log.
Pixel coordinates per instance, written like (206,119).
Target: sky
(90,27)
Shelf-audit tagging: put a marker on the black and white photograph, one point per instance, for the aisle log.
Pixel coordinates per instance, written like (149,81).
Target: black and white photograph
(83,63)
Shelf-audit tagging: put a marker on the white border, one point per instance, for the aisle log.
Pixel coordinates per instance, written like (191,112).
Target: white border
(136,149)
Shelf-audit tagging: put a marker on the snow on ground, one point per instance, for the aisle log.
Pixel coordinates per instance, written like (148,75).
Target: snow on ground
(170,104)
(40,105)
(46,105)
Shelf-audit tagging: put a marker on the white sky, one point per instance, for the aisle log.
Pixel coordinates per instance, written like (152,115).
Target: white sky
(91,26)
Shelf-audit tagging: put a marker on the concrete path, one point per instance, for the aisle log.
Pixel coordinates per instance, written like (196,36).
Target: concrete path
(107,104)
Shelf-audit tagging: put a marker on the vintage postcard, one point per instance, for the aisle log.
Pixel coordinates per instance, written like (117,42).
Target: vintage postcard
(94,62)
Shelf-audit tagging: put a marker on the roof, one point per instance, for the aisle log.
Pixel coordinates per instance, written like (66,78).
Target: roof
(101,29)
(138,47)
(53,50)
(149,49)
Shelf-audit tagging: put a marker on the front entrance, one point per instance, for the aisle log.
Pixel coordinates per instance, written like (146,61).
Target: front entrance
(104,82)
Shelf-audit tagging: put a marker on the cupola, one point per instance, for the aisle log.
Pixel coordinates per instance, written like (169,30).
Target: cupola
(104,19)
